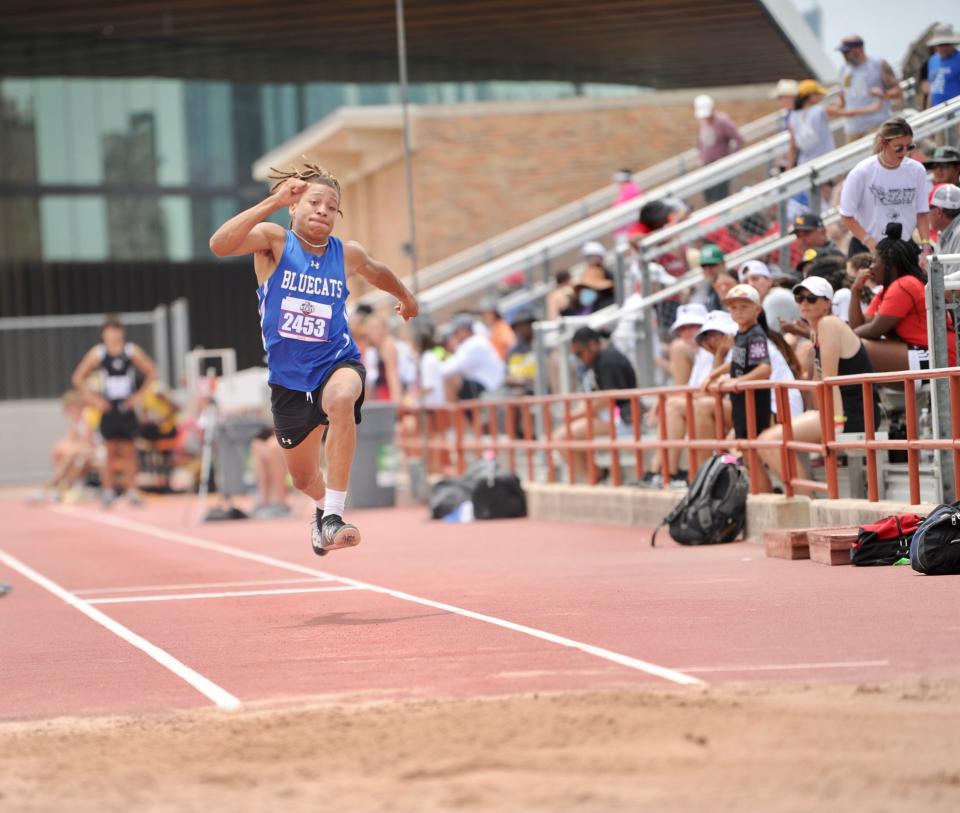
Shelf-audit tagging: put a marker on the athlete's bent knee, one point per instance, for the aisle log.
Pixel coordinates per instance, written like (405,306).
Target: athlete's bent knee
(303,480)
(339,403)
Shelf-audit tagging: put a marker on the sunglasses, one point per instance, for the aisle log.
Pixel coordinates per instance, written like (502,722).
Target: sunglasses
(900,149)
(810,299)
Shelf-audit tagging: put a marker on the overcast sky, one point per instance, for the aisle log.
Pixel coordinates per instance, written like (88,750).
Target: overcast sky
(887,26)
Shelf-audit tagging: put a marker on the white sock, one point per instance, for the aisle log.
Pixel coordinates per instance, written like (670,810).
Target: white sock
(335,501)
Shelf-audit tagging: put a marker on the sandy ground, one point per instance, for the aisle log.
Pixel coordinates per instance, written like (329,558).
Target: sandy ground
(889,747)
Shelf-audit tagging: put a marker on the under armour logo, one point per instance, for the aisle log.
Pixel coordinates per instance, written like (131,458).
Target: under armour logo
(287,441)
(314,263)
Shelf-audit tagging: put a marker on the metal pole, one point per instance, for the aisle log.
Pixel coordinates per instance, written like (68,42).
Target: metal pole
(940,392)
(407,158)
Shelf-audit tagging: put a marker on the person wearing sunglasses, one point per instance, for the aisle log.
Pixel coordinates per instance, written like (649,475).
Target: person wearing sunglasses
(837,351)
(887,187)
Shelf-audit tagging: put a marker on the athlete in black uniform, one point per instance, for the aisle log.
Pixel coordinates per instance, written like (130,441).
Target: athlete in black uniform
(117,362)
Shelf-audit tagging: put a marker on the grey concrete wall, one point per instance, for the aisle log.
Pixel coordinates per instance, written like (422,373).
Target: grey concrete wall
(28,429)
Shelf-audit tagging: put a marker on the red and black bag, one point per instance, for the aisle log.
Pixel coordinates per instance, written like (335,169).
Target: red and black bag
(886,541)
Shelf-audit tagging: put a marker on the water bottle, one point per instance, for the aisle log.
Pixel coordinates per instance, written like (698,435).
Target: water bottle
(925,431)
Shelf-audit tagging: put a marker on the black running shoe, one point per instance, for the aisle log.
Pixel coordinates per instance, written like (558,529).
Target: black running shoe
(332,533)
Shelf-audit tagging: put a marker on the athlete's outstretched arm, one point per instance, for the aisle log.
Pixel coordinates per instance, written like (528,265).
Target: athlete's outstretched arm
(357,261)
(247,233)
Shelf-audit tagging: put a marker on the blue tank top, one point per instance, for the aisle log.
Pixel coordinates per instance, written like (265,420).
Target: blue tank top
(302,316)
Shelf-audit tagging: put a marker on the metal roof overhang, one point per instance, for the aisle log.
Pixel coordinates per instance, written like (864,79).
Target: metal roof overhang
(655,43)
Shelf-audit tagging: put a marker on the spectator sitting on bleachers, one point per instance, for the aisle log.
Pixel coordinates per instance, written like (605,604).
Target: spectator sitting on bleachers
(895,326)
(887,186)
(808,125)
(594,289)
(944,165)
(607,369)
(712,262)
(475,367)
(945,217)
(690,364)
(72,455)
(756,273)
(717,137)
(809,231)
(839,351)
(722,285)
(501,334)
(521,361)
(561,301)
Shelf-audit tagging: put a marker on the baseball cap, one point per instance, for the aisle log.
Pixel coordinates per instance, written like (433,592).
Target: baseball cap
(743,291)
(946,196)
(850,42)
(462,321)
(754,268)
(593,249)
(521,315)
(818,286)
(810,86)
(622,176)
(785,87)
(691,314)
(720,321)
(943,155)
(806,222)
(813,254)
(711,255)
(702,106)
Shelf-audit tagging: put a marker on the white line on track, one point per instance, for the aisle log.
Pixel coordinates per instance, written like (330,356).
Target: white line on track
(205,686)
(599,652)
(88,591)
(777,667)
(232,594)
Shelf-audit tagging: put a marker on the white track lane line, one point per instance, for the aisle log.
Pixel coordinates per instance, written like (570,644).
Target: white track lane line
(233,594)
(663,672)
(91,591)
(205,686)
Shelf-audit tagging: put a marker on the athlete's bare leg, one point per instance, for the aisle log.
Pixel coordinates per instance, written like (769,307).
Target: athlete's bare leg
(339,396)
(303,463)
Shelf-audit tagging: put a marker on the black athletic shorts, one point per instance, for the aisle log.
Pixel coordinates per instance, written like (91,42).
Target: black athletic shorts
(296,414)
(738,400)
(118,423)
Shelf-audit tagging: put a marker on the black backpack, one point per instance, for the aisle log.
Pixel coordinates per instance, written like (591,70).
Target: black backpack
(714,509)
(499,496)
(935,549)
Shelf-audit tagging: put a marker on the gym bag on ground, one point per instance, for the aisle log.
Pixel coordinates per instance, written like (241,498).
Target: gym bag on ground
(886,541)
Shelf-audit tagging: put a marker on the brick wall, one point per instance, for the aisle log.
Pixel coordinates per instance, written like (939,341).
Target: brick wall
(480,169)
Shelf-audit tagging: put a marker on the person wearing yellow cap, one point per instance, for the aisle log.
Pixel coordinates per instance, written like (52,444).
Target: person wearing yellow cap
(808,125)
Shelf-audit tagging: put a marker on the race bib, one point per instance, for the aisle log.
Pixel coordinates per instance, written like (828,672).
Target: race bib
(304,320)
(117,387)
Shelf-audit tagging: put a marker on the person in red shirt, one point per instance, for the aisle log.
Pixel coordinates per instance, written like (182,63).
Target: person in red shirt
(895,324)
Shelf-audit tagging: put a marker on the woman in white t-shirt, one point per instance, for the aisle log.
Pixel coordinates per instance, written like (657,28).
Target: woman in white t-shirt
(887,187)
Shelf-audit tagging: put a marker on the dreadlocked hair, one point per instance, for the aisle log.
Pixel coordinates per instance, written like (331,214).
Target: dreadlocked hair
(781,344)
(310,172)
(902,256)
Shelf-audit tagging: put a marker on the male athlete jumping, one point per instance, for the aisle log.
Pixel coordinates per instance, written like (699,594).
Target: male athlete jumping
(315,375)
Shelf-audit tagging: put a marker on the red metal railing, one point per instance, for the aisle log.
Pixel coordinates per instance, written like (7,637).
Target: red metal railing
(472,428)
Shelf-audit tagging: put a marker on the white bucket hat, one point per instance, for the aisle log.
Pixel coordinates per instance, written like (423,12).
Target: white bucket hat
(691,314)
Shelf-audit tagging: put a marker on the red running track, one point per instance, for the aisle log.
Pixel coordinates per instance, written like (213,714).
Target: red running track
(426,609)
